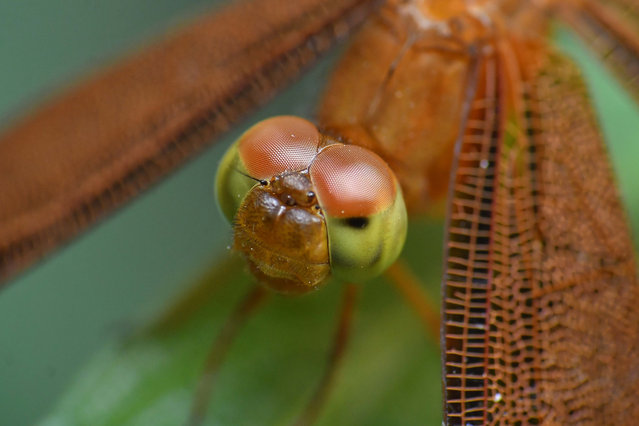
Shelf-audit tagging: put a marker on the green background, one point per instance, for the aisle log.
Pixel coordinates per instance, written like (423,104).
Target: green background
(120,274)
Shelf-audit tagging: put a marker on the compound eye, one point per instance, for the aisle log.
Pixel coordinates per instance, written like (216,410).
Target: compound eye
(352,181)
(278,144)
(269,148)
(364,210)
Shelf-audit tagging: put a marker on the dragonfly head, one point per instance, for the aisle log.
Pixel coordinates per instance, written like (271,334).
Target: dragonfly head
(304,206)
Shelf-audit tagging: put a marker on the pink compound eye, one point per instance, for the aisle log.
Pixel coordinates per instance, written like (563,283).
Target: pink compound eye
(352,181)
(278,144)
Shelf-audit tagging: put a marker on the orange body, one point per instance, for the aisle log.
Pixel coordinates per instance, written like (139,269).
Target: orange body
(401,88)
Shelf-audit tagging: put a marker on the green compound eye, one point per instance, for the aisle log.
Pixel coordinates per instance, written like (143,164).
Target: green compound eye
(364,210)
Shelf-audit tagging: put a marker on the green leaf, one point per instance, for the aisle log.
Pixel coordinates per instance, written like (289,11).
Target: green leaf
(390,374)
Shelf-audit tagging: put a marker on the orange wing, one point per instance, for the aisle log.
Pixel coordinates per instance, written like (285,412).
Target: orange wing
(540,292)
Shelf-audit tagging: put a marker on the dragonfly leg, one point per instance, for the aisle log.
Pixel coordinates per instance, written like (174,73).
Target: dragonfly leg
(409,286)
(234,323)
(340,341)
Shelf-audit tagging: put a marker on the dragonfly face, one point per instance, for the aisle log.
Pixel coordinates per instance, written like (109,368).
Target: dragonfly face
(78,267)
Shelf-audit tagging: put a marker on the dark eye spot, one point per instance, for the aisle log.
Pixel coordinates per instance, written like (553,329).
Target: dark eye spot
(356,222)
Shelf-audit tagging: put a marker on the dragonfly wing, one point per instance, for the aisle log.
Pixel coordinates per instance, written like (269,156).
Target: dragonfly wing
(467,274)
(611,28)
(94,148)
(588,293)
(540,291)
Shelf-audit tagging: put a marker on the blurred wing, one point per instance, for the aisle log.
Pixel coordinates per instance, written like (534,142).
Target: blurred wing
(541,322)
(94,148)
(611,28)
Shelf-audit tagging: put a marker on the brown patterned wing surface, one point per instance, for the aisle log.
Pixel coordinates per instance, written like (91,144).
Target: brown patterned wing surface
(92,149)
(587,292)
(541,300)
